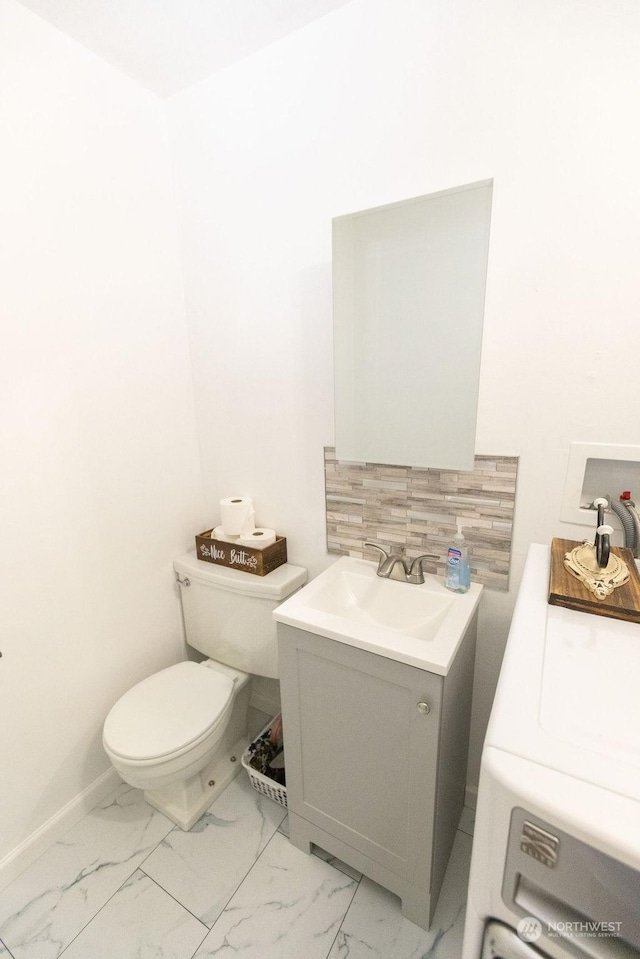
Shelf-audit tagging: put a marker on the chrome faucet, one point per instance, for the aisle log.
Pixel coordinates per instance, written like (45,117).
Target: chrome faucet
(388,561)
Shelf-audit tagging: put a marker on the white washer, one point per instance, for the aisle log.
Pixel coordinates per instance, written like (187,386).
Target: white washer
(555,867)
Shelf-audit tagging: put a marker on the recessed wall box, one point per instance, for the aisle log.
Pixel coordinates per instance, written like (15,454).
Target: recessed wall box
(598,469)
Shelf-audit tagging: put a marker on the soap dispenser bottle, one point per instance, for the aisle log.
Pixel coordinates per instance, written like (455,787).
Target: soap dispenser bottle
(457,576)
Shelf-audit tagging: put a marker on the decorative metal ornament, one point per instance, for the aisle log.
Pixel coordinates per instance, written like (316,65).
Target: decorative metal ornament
(582,563)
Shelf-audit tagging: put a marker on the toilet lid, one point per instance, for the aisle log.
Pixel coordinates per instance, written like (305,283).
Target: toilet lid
(167,712)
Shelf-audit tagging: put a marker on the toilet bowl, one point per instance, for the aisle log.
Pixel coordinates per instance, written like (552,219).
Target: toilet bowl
(180,733)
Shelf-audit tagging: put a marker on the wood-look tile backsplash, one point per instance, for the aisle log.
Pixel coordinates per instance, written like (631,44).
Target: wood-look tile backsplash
(418,510)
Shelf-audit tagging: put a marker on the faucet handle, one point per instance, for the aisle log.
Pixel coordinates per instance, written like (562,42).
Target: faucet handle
(394,551)
(416,572)
(387,561)
(385,555)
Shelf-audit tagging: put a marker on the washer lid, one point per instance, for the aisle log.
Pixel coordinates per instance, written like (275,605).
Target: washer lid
(567,697)
(167,712)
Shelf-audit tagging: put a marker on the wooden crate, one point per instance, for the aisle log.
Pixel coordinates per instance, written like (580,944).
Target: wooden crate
(259,562)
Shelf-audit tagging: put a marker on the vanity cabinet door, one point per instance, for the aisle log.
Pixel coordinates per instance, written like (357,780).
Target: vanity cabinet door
(361,741)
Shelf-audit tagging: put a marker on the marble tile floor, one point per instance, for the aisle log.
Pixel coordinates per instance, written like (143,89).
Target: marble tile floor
(125,883)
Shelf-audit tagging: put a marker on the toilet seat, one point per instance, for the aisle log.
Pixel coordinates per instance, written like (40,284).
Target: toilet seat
(168,714)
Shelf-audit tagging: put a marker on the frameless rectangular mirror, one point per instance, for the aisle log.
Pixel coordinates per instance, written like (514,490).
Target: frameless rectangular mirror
(408,300)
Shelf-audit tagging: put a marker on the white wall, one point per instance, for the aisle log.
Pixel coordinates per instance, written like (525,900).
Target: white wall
(99,485)
(383,100)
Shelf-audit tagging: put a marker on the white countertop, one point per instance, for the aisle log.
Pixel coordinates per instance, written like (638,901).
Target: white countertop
(432,648)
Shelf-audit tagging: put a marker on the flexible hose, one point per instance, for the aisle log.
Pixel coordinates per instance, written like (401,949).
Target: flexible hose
(630,506)
(628,525)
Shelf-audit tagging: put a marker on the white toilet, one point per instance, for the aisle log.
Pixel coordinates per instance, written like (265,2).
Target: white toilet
(180,733)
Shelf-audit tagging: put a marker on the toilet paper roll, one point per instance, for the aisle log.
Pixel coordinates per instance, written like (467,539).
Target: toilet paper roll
(236,512)
(219,533)
(260,538)
(249,524)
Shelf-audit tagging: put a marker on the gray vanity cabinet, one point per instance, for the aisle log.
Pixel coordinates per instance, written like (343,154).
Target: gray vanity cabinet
(376,756)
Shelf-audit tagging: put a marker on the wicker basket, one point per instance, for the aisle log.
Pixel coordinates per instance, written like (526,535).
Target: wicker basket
(258,780)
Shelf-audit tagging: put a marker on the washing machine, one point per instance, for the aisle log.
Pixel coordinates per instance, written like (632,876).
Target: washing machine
(555,867)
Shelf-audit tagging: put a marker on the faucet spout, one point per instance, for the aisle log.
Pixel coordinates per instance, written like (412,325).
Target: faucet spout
(387,566)
(388,561)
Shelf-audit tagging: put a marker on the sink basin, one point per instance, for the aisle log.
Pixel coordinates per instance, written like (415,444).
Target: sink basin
(419,625)
(363,598)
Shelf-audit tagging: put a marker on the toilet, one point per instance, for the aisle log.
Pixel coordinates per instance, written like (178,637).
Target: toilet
(179,734)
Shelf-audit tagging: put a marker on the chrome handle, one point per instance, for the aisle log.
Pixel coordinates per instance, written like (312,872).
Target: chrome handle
(416,572)
(183,582)
(424,708)
(385,555)
(394,551)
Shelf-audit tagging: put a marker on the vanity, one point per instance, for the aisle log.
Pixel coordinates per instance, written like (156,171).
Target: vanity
(376,683)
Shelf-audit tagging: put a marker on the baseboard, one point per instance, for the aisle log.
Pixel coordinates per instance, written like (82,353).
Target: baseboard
(471,796)
(55,828)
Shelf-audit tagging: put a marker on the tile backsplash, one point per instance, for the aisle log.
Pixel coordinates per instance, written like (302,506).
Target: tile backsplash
(418,509)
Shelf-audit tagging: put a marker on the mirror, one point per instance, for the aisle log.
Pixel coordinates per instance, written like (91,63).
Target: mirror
(408,300)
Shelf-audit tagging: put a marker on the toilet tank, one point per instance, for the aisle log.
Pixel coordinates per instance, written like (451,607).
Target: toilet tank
(228,613)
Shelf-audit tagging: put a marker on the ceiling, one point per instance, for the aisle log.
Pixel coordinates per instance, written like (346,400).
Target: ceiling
(169,44)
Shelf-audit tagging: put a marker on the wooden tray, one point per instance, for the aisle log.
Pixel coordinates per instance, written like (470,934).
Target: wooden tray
(566,590)
(245,558)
